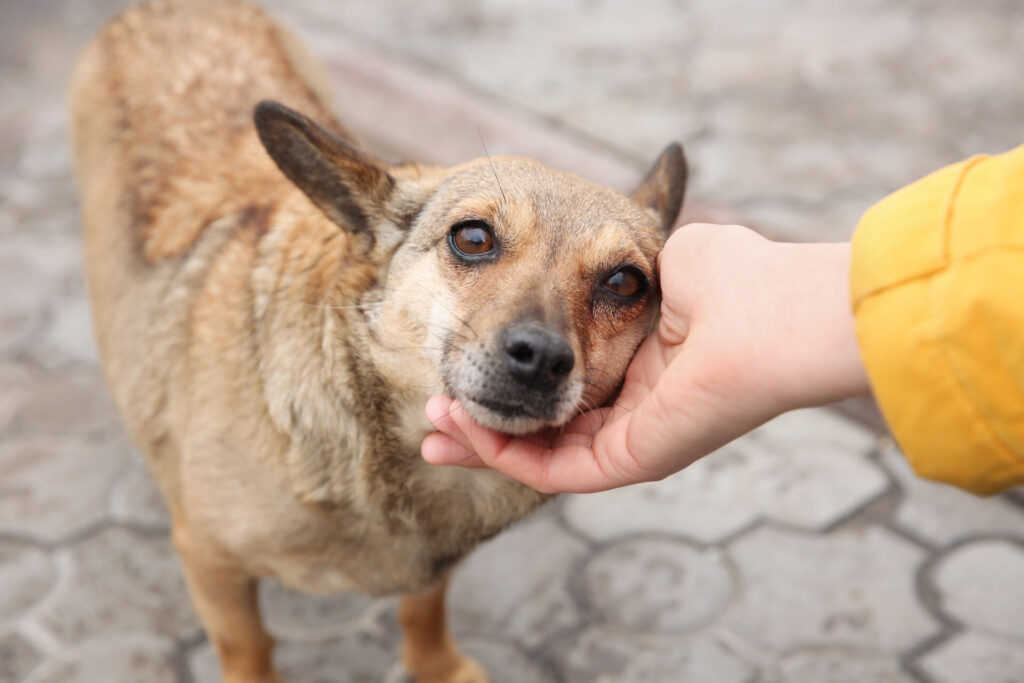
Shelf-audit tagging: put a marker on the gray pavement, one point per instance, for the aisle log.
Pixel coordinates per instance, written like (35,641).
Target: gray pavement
(804,552)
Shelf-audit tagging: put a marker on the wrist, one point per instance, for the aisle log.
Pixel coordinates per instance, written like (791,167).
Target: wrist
(822,357)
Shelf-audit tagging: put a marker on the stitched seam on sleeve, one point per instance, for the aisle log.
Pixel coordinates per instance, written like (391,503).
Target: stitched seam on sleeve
(947,219)
(974,255)
(981,417)
(947,216)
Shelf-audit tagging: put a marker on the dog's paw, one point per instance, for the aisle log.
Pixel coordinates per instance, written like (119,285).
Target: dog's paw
(270,677)
(469,671)
(466,670)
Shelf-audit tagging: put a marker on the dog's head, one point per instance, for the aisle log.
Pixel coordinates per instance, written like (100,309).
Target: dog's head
(525,289)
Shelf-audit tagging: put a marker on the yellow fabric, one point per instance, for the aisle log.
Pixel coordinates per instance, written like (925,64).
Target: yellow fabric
(937,286)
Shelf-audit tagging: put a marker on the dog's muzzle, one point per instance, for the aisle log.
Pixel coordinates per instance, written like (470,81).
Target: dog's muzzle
(521,381)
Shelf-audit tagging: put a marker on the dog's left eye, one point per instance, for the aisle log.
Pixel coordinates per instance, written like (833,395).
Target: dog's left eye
(472,239)
(627,283)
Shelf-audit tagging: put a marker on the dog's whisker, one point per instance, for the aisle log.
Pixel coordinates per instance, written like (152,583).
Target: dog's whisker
(594,368)
(363,307)
(491,163)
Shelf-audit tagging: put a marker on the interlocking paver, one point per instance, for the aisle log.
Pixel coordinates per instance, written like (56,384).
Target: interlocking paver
(979,584)
(136,498)
(839,665)
(121,582)
(942,514)
(54,486)
(358,657)
(26,575)
(69,336)
(651,585)
(17,657)
(854,589)
(971,656)
(603,655)
(130,658)
(67,404)
(22,305)
(506,661)
(296,616)
(16,380)
(512,586)
(806,468)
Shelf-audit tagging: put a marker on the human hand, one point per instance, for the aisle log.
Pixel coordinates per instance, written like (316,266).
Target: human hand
(749,329)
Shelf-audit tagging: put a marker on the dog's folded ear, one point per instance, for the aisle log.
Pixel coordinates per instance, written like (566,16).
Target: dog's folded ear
(351,187)
(663,189)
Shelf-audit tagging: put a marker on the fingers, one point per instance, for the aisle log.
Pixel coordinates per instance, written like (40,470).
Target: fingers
(552,461)
(566,464)
(440,449)
(447,446)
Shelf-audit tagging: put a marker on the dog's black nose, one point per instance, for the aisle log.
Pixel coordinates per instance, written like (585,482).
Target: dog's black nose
(537,356)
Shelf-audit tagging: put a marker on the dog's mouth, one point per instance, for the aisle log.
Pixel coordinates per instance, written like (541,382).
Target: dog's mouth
(508,418)
(508,410)
(514,417)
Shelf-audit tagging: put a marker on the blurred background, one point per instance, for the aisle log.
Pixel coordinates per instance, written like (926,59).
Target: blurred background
(805,552)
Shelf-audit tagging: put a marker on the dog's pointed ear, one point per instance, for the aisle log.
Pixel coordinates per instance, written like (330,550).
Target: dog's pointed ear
(663,189)
(351,187)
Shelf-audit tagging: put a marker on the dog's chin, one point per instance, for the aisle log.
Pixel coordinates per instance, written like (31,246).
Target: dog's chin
(509,420)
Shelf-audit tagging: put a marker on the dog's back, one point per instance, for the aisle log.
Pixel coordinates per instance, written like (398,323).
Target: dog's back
(167,91)
(170,169)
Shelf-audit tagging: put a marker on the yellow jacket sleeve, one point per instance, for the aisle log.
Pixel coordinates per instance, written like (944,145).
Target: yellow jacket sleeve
(937,285)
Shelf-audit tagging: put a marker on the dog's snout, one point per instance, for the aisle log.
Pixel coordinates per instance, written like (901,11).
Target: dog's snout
(537,356)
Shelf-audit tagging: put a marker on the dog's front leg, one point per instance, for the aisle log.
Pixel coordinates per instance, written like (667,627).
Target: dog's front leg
(428,650)
(226,599)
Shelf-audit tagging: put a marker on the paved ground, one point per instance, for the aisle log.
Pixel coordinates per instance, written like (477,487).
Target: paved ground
(805,552)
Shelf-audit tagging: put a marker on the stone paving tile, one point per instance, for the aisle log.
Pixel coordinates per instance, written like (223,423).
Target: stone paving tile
(26,575)
(21,309)
(838,665)
(121,582)
(513,586)
(135,497)
(806,468)
(67,404)
(356,658)
(29,279)
(972,656)
(979,584)
(69,337)
(17,657)
(653,585)
(602,654)
(16,380)
(368,651)
(54,486)
(128,659)
(942,514)
(853,588)
(295,616)
(506,662)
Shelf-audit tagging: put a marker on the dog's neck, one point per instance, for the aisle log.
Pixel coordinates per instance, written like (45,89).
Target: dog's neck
(336,383)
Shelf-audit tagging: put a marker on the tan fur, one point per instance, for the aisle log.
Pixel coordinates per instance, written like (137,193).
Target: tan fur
(271,355)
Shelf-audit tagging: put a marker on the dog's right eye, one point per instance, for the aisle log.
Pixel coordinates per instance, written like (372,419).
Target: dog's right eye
(471,239)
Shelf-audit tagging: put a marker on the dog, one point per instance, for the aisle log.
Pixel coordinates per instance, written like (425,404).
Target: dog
(273,307)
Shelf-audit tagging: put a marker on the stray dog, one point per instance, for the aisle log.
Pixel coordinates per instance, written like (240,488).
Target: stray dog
(274,307)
